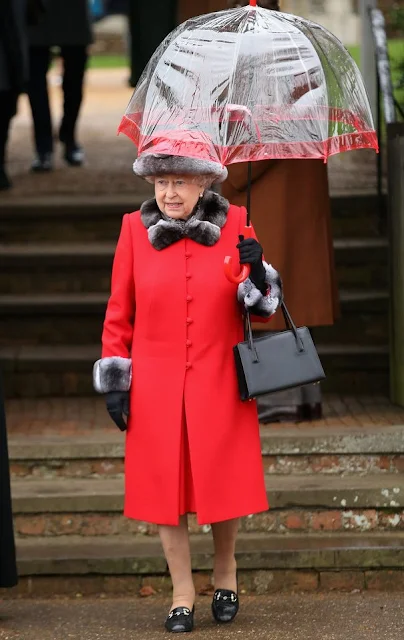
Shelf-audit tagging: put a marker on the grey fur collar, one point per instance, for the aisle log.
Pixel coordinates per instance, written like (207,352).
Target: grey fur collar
(203,225)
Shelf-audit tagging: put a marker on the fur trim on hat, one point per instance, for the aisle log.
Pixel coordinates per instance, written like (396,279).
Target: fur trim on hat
(149,165)
(203,225)
(257,303)
(112,374)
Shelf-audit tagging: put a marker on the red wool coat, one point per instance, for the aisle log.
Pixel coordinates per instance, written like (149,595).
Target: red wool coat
(177,316)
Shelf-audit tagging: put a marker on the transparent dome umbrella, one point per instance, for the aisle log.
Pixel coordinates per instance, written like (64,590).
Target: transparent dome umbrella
(250,84)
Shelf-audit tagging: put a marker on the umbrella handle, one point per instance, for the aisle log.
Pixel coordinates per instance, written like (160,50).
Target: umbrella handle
(245,269)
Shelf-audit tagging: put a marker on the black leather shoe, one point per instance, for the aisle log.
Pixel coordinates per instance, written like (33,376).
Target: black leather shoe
(42,163)
(311,412)
(180,620)
(5,182)
(74,155)
(225,605)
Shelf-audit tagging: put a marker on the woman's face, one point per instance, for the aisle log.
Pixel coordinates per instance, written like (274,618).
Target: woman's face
(177,196)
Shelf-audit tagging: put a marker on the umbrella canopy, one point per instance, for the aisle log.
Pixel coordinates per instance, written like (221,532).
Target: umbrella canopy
(250,84)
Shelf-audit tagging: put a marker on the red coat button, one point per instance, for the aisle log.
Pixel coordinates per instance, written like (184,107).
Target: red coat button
(187,255)
(188,365)
(189,343)
(189,298)
(189,321)
(187,275)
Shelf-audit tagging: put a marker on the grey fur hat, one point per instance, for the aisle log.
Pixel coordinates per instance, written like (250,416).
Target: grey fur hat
(159,164)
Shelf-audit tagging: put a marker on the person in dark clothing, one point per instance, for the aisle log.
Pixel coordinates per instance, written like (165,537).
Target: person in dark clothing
(13,70)
(65,24)
(8,567)
(149,23)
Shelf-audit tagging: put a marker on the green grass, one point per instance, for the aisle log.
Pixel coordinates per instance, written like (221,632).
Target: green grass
(108,62)
(396,53)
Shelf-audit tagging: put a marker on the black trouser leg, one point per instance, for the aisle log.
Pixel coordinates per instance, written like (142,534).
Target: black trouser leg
(40,58)
(150,22)
(75,61)
(8,104)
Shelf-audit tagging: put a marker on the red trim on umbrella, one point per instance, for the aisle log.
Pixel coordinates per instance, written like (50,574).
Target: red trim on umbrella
(179,143)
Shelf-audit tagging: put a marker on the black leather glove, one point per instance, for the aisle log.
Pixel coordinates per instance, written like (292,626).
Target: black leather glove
(117,406)
(251,253)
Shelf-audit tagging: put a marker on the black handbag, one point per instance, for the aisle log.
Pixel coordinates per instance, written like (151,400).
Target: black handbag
(276,361)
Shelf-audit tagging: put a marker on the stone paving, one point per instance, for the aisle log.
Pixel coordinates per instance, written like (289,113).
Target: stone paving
(109,158)
(279,617)
(87,416)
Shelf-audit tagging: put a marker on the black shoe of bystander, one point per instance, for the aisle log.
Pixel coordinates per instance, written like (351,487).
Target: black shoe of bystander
(42,163)
(5,182)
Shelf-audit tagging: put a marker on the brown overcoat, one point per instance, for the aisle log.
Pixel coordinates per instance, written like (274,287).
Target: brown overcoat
(290,208)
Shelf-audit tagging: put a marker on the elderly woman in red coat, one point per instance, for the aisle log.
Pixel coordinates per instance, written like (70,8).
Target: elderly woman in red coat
(167,363)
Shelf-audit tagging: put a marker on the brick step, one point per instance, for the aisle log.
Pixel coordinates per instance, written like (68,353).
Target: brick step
(283,521)
(49,370)
(73,566)
(298,503)
(289,451)
(355,216)
(71,555)
(56,268)
(361,262)
(56,496)
(86,267)
(73,219)
(355,369)
(78,317)
(56,370)
(364,319)
(83,219)
(58,319)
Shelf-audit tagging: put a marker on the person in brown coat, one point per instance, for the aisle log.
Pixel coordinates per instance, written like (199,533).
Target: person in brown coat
(290,207)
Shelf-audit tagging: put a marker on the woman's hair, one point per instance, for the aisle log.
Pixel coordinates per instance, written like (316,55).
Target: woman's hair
(265,4)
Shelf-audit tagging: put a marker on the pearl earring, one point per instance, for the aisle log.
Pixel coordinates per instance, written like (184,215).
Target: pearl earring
(201,195)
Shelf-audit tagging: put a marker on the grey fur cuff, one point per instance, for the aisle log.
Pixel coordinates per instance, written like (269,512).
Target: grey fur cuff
(112,374)
(254,301)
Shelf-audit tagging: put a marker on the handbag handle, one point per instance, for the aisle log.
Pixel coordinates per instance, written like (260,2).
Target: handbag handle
(248,334)
(291,325)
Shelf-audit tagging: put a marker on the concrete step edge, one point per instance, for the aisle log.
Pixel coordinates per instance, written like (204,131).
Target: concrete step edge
(122,555)
(349,296)
(88,353)
(51,353)
(352,350)
(341,204)
(72,303)
(65,304)
(43,252)
(358,244)
(284,491)
(57,206)
(286,441)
